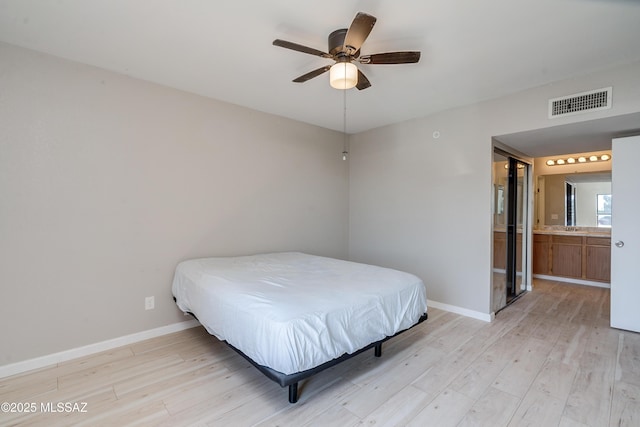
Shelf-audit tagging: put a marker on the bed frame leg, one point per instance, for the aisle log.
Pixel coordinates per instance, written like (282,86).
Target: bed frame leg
(293,393)
(378,350)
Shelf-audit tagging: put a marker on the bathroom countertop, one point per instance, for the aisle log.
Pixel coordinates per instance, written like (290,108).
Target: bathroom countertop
(580,231)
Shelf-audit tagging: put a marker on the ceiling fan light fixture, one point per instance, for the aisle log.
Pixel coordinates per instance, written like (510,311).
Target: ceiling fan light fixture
(343,75)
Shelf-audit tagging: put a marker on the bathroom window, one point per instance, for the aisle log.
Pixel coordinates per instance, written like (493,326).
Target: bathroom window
(604,210)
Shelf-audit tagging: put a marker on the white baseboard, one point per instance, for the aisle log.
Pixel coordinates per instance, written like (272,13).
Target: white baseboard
(571,280)
(463,311)
(87,350)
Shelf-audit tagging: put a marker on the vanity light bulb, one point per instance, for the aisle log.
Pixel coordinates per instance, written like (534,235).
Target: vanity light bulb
(560,161)
(582,159)
(605,157)
(571,160)
(593,158)
(550,163)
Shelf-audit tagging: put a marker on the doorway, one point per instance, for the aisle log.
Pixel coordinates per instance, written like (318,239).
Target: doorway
(510,225)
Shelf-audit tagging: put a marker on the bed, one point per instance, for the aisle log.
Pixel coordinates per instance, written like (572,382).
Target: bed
(293,314)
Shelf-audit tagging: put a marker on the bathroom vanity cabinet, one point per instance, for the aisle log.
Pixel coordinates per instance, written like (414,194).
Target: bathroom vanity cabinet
(572,255)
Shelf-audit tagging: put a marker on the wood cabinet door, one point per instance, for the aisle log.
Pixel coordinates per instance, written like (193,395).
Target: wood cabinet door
(599,263)
(540,257)
(567,260)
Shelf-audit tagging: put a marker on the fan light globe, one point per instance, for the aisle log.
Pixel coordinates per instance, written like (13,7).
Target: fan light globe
(343,75)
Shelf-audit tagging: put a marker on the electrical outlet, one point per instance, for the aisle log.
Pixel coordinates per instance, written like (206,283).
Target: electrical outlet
(149,303)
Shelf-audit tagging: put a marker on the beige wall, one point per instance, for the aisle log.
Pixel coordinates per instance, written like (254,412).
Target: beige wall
(423,204)
(107,182)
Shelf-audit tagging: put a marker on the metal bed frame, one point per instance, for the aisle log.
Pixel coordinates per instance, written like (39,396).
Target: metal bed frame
(291,380)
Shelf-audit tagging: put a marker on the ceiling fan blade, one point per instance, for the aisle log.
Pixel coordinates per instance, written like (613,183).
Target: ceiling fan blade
(300,48)
(363,81)
(315,73)
(391,58)
(358,32)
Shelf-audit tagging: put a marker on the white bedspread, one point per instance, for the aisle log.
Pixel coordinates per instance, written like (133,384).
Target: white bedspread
(292,311)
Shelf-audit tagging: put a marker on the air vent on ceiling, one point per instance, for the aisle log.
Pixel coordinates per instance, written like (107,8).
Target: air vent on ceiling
(599,99)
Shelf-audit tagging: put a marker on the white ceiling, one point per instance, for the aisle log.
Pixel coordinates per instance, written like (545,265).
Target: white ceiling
(471,50)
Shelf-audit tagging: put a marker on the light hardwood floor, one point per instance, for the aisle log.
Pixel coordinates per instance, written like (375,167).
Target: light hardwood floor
(549,359)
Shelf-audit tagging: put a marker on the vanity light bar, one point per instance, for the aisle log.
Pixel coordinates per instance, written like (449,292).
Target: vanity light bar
(581,159)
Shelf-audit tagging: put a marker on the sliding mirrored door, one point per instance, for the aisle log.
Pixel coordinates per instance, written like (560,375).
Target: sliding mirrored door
(509,228)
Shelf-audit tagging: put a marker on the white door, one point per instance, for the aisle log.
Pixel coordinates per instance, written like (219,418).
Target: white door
(625,234)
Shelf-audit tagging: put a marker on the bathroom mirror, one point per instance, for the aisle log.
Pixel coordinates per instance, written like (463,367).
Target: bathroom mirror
(575,199)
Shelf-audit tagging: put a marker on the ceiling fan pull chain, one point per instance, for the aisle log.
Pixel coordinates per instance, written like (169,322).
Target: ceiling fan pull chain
(345,151)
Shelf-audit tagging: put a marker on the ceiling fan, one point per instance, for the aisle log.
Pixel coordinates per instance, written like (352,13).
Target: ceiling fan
(344,49)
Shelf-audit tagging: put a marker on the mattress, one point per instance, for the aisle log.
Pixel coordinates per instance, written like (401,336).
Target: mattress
(293,311)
